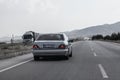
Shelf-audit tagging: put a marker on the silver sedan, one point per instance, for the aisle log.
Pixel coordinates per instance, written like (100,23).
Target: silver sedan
(52,45)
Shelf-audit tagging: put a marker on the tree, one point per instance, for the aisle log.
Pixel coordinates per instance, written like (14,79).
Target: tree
(107,37)
(118,36)
(97,37)
(114,36)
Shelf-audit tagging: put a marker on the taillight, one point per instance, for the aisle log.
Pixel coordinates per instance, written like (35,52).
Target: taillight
(62,46)
(36,47)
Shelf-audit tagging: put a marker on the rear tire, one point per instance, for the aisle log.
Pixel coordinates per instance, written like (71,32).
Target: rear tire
(36,58)
(70,54)
(66,57)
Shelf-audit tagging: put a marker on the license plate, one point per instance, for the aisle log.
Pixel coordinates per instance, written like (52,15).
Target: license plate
(48,46)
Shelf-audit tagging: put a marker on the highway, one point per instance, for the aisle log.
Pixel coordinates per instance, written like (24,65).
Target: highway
(92,60)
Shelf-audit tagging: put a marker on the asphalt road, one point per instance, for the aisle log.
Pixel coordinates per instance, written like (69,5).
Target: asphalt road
(92,60)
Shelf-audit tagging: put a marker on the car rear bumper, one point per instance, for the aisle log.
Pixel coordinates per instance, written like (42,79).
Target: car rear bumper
(41,53)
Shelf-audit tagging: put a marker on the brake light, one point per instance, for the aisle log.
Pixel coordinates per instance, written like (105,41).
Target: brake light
(62,46)
(35,47)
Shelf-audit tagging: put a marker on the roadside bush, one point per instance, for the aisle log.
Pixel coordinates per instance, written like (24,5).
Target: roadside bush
(113,36)
(11,48)
(97,37)
(5,47)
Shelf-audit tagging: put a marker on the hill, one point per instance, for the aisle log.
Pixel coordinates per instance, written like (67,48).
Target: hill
(105,29)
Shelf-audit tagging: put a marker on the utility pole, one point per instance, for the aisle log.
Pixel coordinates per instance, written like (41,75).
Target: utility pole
(12,41)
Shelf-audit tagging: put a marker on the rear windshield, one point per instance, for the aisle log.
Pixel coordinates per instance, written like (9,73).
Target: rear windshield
(51,37)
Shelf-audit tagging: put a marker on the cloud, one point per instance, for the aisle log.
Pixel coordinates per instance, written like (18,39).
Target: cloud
(37,6)
(30,6)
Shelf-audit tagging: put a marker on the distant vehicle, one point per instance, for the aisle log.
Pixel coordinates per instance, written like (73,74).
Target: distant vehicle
(86,38)
(29,37)
(52,45)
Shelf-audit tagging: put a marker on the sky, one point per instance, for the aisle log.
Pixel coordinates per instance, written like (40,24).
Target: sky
(46,16)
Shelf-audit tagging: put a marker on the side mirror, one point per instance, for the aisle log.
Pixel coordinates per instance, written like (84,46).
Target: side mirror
(70,41)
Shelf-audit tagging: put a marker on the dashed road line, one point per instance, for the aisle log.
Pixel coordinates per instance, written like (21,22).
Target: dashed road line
(94,54)
(103,72)
(91,49)
(15,65)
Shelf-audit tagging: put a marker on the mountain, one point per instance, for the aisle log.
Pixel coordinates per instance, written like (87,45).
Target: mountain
(105,29)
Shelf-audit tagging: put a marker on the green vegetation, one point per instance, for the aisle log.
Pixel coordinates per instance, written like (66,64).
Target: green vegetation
(113,36)
(14,49)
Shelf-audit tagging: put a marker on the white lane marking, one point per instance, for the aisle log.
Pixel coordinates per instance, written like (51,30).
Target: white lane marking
(91,49)
(94,54)
(15,65)
(104,74)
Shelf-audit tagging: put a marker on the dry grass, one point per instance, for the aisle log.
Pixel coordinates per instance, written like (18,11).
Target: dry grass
(8,50)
